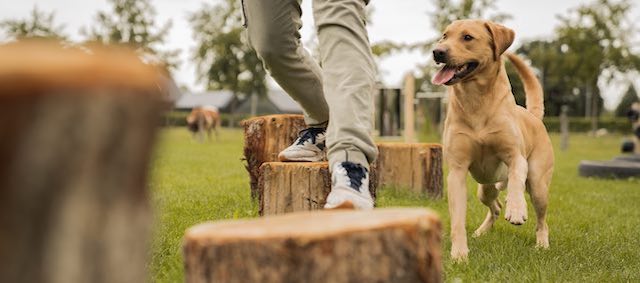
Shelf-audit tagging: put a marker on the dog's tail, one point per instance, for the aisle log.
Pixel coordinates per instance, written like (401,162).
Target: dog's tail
(532,87)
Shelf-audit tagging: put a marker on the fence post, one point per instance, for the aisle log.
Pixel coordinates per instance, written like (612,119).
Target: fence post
(564,128)
(409,112)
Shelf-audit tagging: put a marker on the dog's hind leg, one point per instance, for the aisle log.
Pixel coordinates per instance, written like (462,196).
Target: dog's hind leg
(488,195)
(539,192)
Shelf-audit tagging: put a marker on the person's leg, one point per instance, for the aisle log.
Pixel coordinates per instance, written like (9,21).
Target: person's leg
(273,29)
(348,80)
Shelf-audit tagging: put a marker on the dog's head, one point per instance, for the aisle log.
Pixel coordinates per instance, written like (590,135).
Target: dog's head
(467,48)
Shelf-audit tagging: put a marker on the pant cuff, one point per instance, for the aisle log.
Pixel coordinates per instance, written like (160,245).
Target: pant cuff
(313,123)
(354,156)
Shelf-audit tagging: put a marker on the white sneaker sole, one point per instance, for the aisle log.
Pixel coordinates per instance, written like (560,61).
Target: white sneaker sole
(315,158)
(341,198)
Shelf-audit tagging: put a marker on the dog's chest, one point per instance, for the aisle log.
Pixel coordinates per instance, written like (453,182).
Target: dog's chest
(486,166)
(489,147)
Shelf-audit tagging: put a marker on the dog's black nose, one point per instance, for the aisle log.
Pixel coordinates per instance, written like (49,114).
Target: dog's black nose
(440,55)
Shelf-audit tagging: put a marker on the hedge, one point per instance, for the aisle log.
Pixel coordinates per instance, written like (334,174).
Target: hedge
(576,124)
(581,124)
(179,119)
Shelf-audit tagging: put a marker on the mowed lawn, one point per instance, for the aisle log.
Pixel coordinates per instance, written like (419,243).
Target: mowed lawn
(594,224)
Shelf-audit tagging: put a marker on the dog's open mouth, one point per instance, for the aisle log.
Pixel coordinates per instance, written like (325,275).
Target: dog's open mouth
(451,74)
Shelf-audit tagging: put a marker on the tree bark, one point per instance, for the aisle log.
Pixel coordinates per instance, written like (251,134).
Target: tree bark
(384,245)
(76,133)
(415,166)
(264,138)
(286,187)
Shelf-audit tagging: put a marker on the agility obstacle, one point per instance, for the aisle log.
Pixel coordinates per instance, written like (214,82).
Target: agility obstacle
(283,187)
(413,166)
(297,186)
(77,131)
(383,245)
(264,138)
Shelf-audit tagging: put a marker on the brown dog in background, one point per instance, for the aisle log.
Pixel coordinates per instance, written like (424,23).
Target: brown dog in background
(203,119)
(502,144)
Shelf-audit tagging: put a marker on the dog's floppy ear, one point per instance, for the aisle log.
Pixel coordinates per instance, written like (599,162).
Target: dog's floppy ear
(502,38)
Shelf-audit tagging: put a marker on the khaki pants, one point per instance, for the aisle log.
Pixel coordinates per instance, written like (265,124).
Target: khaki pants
(341,92)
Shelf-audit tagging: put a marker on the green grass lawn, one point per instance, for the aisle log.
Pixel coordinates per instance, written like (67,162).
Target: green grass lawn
(594,224)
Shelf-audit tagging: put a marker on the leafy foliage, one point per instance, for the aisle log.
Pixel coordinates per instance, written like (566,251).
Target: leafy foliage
(448,11)
(590,39)
(132,23)
(224,60)
(628,99)
(445,12)
(40,25)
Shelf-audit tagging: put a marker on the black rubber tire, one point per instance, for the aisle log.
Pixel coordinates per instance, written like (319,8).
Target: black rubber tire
(629,158)
(609,169)
(627,147)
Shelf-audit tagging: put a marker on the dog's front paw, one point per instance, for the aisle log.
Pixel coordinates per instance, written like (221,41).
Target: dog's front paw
(516,211)
(459,254)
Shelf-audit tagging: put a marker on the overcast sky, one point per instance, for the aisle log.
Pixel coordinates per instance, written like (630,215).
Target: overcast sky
(398,20)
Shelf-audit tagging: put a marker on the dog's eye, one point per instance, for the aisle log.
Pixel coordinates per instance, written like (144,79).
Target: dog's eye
(468,37)
(444,36)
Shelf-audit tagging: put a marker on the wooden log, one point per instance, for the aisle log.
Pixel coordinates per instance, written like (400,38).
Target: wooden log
(416,166)
(383,245)
(286,187)
(264,138)
(76,135)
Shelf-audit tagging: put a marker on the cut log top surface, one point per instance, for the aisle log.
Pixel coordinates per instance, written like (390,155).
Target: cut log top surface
(310,225)
(281,117)
(47,65)
(406,145)
(298,164)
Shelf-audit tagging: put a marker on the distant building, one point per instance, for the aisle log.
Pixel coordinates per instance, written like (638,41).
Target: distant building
(277,101)
(221,99)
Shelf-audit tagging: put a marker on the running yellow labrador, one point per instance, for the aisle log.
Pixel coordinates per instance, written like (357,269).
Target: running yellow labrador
(502,144)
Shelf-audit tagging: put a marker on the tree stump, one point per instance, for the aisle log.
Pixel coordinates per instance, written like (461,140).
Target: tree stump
(264,138)
(383,245)
(76,134)
(417,166)
(297,186)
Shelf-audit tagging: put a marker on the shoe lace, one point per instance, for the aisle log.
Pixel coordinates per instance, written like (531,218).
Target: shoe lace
(356,174)
(309,134)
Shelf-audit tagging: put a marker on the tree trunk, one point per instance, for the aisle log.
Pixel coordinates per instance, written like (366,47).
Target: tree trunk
(297,186)
(264,138)
(76,136)
(384,245)
(416,166)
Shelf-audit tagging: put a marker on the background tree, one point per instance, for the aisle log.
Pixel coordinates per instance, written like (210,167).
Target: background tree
(223,59)
(552,64)
(132,23)
(38,25)
(590,39)
(596,37)
(628,99)
(445,12)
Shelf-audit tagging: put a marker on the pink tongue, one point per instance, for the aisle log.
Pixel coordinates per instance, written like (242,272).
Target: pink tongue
(443,76)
